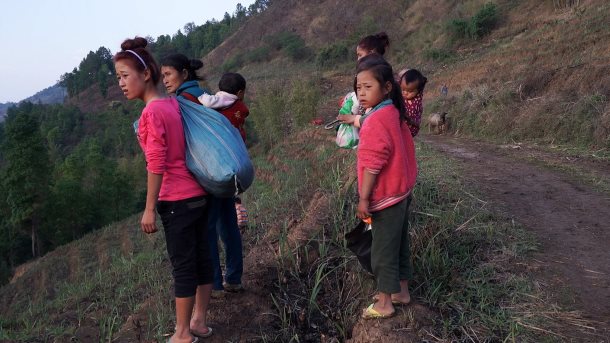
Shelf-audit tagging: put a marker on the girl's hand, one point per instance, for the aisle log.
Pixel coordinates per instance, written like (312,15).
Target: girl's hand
(149,221)
(346,118)
(363,209)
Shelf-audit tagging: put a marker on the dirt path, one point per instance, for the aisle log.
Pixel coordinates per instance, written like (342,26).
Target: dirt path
(570,220)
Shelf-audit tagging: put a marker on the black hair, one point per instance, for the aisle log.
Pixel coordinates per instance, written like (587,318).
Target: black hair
(232,83)
(180,62)
(383,73)
(413,75)
(137,54)
(377,43)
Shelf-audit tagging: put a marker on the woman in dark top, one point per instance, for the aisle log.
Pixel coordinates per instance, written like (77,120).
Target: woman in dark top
(180,77)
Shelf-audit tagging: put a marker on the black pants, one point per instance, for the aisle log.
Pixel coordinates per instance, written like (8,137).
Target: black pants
(185,223)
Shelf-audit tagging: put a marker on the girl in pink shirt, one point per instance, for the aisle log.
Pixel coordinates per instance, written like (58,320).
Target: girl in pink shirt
(172,190)
(386,175)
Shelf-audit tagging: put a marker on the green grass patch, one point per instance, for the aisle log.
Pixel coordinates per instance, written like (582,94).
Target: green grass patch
(282,109)
(102,287)
(477,26)
(503,115)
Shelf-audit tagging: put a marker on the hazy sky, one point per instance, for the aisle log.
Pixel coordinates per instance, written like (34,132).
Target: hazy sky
(40,40)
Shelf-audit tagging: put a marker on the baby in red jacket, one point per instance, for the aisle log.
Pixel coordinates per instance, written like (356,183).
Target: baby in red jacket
(230,100)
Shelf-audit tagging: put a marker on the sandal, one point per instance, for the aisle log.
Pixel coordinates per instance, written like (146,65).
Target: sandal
(203,335)
(195,340)
(218,294)
(233,288)
(371,313)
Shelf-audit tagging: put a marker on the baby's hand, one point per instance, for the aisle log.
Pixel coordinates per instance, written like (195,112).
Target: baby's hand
(346,118)
(411,95)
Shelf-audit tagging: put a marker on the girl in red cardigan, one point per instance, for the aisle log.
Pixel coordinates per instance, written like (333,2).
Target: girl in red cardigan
(386,175)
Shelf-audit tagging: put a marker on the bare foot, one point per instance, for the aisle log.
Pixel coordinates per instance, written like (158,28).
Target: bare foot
(401,298)
(200,328)
(397,298)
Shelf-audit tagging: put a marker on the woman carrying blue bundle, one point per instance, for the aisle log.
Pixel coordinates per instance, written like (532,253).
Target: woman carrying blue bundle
(180,77)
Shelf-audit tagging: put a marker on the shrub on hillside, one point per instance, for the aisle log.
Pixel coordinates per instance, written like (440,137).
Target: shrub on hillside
(283,108)
(270,120)
(438,55)
(476,26)
(303,101)
(296,49)
(233,63)
(560,4)
(280,40)
(260,54)
(333,54)
(291,43)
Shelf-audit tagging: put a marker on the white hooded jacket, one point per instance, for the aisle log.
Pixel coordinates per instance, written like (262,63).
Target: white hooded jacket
(219,100)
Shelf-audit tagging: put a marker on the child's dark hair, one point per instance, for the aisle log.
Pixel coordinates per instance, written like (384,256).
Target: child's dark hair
(180,62)
(377,43)
(413,75)
(232,83)
(133,50)
(383,73)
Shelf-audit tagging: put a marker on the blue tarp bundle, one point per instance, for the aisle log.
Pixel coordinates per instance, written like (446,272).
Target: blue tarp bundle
(215,152)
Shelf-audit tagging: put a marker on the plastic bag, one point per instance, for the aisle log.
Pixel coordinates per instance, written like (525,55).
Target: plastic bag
(347,136)
(350,104)
(359,241)
(215,152)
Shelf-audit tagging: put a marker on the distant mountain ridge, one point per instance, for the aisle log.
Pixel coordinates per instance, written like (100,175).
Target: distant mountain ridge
(55,94)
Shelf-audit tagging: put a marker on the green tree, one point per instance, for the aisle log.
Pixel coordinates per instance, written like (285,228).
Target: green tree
(189,28)
(103,76)
(26,177)
(13,242)
(240,12)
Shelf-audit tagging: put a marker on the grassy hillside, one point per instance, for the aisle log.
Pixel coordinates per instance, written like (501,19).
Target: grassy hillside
(539,74)
(302,282)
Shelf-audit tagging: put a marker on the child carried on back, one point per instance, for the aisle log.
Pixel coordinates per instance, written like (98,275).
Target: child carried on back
(412,83)
(230,100)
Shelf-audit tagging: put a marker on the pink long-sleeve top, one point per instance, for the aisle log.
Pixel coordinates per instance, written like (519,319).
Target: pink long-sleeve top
(386,148)
(161,136)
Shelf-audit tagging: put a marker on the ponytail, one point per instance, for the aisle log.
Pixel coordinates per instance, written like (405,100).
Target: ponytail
(180,62)
(377,43)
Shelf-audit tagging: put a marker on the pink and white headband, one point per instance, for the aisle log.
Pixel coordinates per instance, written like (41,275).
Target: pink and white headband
(138,56)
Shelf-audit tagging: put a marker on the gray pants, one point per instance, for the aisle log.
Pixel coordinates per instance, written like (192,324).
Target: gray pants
(390,254)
